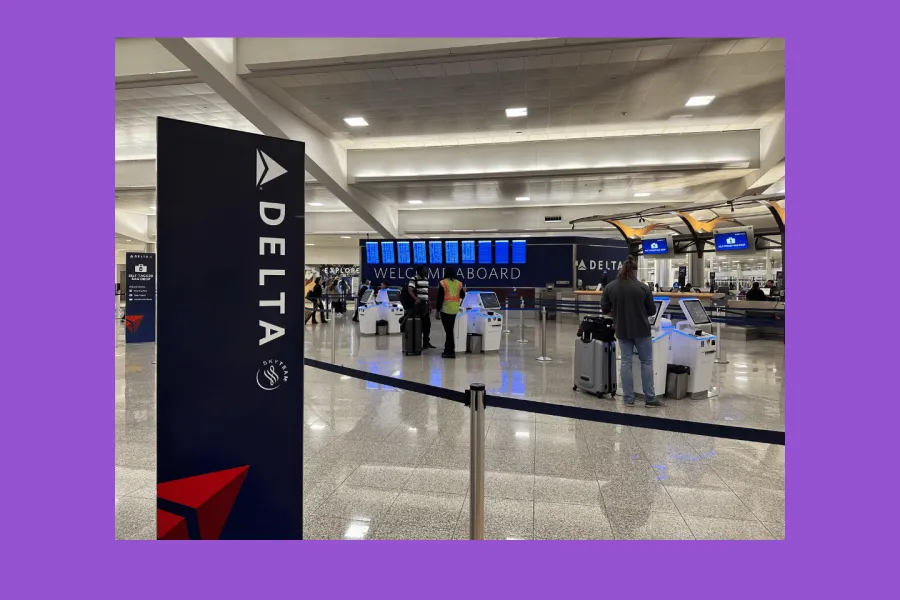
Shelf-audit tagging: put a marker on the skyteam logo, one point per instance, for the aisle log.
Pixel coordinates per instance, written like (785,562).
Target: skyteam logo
(266,168)
(271,375)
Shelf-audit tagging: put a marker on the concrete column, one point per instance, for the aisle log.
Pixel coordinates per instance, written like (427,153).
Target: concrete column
(664,272)
(695,270)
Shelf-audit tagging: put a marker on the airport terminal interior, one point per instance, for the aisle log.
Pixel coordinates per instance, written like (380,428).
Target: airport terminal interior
(535,170)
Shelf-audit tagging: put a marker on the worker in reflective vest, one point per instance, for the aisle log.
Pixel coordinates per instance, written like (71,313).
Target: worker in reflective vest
(449,295)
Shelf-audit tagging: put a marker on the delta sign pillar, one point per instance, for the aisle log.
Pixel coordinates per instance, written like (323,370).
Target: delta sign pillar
(229,334)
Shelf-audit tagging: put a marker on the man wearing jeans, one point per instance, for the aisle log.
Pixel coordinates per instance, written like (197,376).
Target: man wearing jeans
(630,304)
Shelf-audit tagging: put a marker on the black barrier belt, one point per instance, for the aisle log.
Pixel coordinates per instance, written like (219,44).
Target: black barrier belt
(747,434)
(412,386)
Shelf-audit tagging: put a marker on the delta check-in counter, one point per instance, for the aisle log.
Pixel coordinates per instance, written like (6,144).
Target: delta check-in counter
(751,319)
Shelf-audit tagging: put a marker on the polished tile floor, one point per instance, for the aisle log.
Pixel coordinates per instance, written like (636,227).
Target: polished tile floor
(382,463)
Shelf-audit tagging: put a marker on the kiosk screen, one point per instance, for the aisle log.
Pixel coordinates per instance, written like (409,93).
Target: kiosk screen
(696,312)
(393,295)
(366,297)
(658,304)
(490,301)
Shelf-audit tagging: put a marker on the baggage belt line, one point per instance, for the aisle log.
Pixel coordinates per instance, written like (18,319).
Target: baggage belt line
(747,434)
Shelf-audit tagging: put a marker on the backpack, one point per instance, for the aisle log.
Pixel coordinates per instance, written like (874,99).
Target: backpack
(406,298)
(597,328)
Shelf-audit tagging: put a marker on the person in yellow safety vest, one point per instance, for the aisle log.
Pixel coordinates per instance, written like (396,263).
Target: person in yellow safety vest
(449,296)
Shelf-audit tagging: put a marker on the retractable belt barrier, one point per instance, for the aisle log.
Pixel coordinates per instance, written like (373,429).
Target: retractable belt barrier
(747,434)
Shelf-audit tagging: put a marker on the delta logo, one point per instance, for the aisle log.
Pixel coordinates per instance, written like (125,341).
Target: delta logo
(133,322)
(196,508)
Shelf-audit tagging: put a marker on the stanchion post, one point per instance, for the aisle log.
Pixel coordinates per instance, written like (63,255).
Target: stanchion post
(506,328)
(333,337)
(719,360)
(543,357)
(476,461)
(522,339)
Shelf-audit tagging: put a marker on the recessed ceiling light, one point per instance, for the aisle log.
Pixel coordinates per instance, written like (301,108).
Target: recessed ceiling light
(414,201)
(434,236)
(310,244)
(523,199)
(642,194)
(345,237)
(356,122)
(316,204)
(700,100)
(516,112)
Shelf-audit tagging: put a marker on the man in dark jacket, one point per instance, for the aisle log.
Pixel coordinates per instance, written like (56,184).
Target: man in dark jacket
(630,304)
(366,284)
(756,293)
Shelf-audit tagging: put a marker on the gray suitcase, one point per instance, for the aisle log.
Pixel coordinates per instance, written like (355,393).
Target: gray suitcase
(595,367)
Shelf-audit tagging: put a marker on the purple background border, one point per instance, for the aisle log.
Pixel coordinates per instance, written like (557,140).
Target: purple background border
(57,375)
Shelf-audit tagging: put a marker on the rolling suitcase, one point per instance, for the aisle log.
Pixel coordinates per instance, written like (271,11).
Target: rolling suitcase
(412,336)
(595,367)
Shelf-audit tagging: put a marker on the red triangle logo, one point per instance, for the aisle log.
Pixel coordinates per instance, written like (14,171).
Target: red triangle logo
(132,322)
(212,495)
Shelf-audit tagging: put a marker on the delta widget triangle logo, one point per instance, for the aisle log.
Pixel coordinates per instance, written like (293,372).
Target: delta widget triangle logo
(267,169)
(196,508)
(132,322)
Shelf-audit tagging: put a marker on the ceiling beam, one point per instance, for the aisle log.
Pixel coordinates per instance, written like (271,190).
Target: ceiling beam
(215,62)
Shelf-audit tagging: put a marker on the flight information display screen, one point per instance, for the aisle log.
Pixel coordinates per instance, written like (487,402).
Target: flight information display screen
(435,253)
(696,312)
(372,253)
(468,252)
(403,253)
(518,252)
(736,240)
(657,246)
(501,252)
(419,253)
(484,252)
(452,252)
(387,253)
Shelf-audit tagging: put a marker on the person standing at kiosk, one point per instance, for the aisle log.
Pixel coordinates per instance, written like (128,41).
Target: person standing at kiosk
(631,305)
(366,284)
(418,290)
(449,295)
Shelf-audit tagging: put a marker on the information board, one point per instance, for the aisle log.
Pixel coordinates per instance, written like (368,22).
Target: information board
(435,252)
(468,252)
(387,253)
(452,252)
(372,253)
(419,253)
(736,240)
(501,252)
(518,252)
(403,253)
(655,246)
(484,252)
(140,297)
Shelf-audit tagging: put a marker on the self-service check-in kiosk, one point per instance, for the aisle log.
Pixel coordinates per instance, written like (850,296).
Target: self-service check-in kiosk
(369,313)
(661,334)
(391,310)
(484,318)
(694,347)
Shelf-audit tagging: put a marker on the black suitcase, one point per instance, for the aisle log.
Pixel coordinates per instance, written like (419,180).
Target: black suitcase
(412,336)
(340,307)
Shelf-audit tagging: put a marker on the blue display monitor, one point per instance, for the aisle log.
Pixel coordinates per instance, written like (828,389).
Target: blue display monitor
(655,246)
(518,252)
(435,252)
(403,253)
(419,253)
(736,240)
(451,252)
(484,252)
(468,252)
(387,253)
(372,253)
(501,252)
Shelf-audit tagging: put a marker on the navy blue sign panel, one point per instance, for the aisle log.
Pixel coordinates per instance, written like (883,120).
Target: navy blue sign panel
(230,333)
(592,260)
(545,264)
(140,297)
